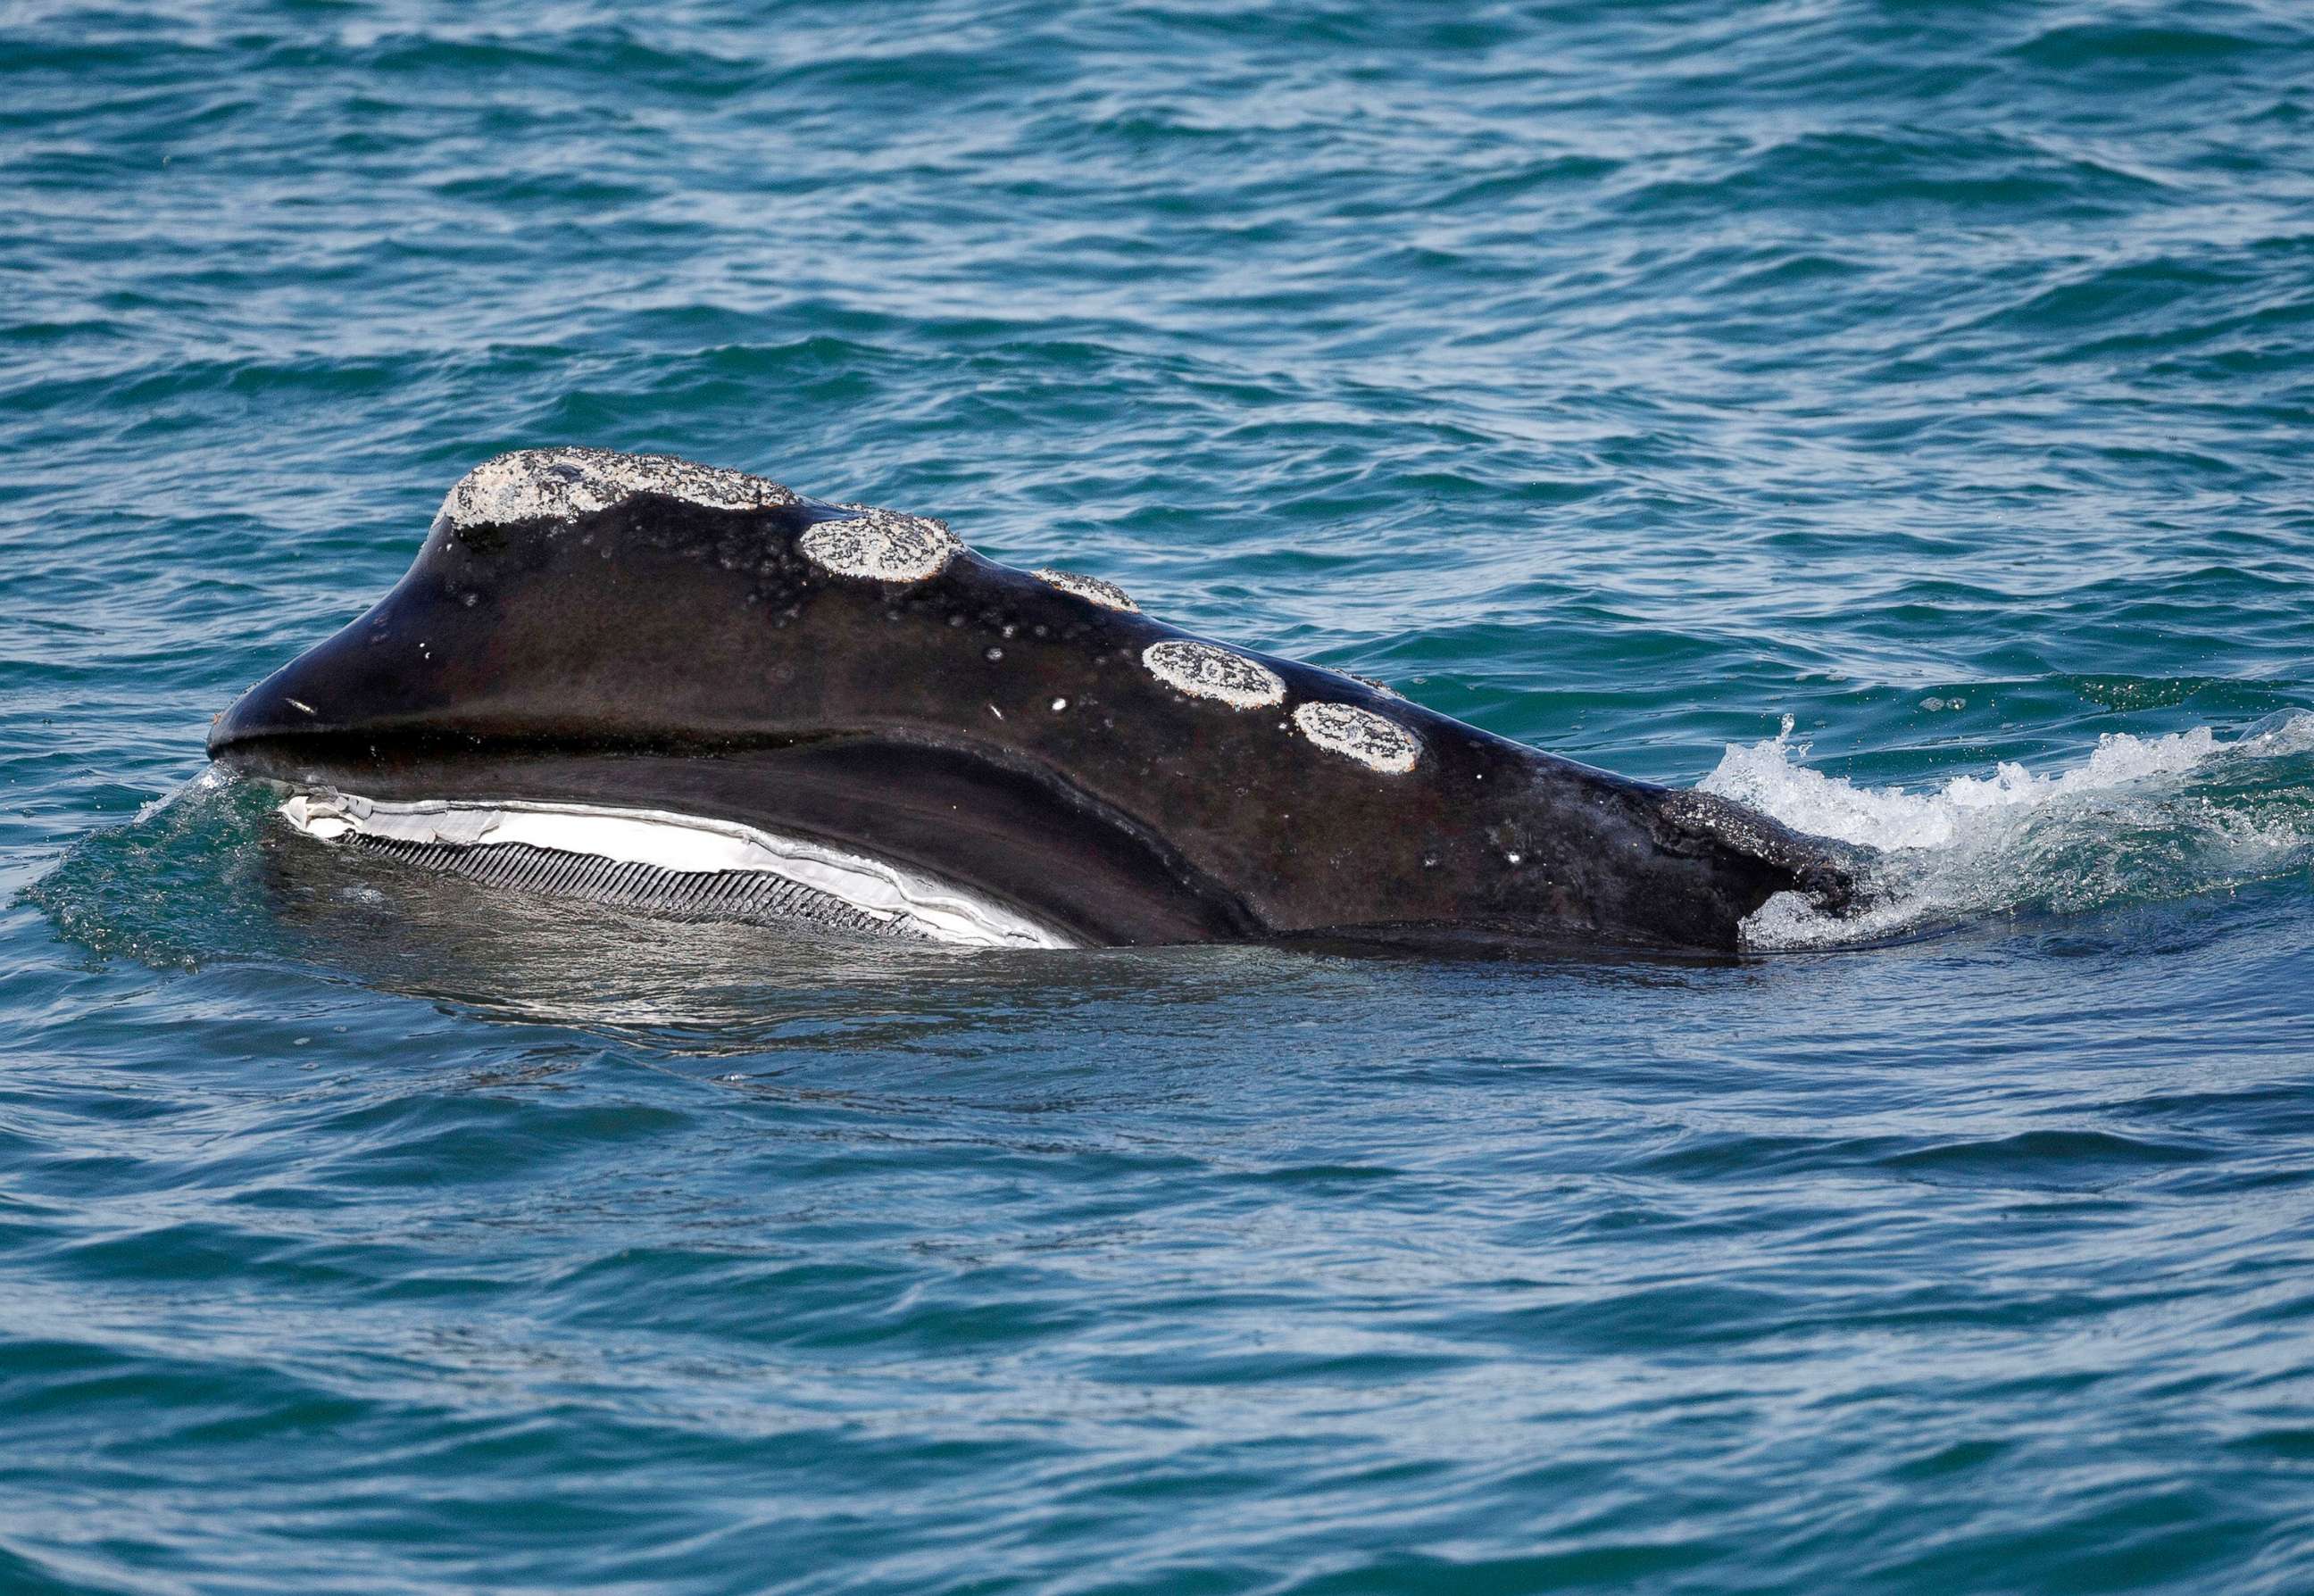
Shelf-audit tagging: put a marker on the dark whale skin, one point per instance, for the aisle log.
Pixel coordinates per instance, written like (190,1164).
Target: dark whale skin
(988,726)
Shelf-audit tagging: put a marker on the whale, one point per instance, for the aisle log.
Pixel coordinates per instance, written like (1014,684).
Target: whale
(687,690)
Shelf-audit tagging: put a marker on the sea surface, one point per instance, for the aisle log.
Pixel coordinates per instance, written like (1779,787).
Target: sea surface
(1898,415)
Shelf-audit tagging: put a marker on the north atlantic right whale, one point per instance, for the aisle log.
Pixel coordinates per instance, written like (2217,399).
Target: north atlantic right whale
(692,690)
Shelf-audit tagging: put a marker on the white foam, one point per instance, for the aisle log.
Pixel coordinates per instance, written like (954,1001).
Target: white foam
(209,779)
(2128,822)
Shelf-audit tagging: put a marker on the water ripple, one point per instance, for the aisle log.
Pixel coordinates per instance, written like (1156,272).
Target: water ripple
(1890,416)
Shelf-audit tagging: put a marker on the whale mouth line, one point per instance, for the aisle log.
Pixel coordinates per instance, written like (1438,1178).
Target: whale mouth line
(688,866)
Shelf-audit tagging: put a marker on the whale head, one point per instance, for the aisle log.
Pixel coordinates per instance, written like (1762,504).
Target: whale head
(589,639)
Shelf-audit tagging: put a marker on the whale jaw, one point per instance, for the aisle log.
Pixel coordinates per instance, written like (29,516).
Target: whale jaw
(684,865)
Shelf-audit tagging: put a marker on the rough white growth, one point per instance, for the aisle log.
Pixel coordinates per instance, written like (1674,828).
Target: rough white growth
(1373,741)
(1091,589)
(883,546)
(927,905)
(1205,670)
(559,484)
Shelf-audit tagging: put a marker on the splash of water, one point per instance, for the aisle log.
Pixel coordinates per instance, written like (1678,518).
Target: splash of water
(2142,818)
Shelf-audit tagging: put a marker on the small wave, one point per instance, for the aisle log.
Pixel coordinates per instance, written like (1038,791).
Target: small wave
(2142,819)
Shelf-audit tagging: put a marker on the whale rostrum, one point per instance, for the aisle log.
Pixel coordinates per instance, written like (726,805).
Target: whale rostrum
(643,681)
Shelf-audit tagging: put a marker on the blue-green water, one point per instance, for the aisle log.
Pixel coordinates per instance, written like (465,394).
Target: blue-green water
(1938,376)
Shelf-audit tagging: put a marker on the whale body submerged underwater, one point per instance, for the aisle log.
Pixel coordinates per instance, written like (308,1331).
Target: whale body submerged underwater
(688,689)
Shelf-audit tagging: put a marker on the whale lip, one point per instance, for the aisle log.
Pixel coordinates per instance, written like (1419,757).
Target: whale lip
(1010,836)
(671,860)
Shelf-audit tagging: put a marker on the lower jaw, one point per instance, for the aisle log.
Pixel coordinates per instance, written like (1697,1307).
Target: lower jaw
(663,862)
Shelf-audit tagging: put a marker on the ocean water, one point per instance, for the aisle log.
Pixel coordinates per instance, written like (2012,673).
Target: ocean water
(1897,416)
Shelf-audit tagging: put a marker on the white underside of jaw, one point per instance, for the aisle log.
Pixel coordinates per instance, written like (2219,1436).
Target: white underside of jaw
(689,843)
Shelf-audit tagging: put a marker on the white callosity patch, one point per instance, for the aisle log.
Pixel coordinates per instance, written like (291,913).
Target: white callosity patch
(1206,670)
(559,484)
(1373,740)
(882,545)
(919,903)
(1091,589)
